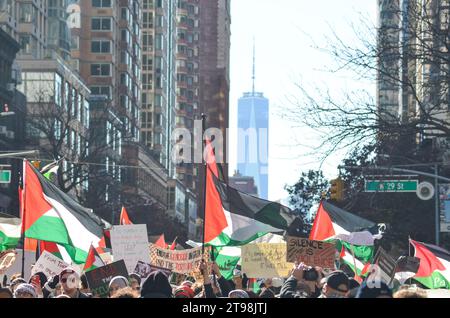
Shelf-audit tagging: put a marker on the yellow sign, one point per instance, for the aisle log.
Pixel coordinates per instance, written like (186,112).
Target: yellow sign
(265,260)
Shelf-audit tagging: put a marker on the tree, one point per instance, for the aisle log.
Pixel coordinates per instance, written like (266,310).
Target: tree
(307,192)
(407,57)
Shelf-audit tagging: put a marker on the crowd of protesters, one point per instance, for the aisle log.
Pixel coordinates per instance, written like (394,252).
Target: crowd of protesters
(303,282)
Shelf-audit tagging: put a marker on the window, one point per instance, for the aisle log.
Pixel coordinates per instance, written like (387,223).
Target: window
(101,90)
(101,69)
(101,24)
(26,12)
(58,89)
(101,46)
(101,3)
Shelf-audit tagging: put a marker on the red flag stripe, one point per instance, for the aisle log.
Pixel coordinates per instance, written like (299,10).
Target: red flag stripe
(322,228)
(428,261)
(124,218)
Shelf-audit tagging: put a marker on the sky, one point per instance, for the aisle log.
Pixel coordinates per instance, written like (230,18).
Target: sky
(284,32)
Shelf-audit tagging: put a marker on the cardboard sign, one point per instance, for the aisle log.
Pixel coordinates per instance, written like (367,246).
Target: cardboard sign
(16,266)
(383,267)
(144,269)
(49,264)
(178,261)
(7,259)
(265,260)
(312,253)
(130,243)
(99,278)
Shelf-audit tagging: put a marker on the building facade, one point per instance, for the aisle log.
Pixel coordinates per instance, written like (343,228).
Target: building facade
(243,183)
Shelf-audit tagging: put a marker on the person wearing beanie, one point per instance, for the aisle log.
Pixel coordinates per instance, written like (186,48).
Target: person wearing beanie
(116,284)
(156,286)
(336,285)
(16,282)
(374,289)
(238,293)
(25,291)
(184,292)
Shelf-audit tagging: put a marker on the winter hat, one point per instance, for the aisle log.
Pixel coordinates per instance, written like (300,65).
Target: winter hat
(238,293)
(187,283)
(157,283)
(25,289)
(277,282)
(184,292)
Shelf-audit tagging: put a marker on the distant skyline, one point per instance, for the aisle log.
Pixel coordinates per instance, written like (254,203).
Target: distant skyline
(284,32)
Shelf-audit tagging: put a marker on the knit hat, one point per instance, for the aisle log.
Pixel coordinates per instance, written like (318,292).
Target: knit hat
(25,289)
(238,293)
(184,292)
(187,283)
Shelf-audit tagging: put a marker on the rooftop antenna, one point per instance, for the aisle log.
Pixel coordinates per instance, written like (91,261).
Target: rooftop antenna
(253,73)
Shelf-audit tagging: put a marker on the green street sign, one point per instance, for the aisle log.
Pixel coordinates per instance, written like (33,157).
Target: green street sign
(5,176)
(391,185)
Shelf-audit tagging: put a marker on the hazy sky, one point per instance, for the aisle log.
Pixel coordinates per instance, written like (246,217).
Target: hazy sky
(284,31)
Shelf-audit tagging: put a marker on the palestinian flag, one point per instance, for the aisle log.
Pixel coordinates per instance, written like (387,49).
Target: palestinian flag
(359,268)
(93,260)
(227,259)
(10,232)
(333,223)
(53,216)
(50,247)
(161,242)
(235,218)
(124,219)
(434,268)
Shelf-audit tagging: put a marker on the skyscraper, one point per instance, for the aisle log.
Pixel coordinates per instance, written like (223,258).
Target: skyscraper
(253,133)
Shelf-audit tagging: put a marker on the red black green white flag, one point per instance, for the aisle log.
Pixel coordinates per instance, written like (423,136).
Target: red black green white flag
(234,218)
(434,267)
(124,218)
(93,260)
(53,216)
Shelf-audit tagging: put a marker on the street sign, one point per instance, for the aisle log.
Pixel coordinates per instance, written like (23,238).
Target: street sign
(5,176)
(391,185)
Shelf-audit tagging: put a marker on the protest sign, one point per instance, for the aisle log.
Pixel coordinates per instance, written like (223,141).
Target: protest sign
(49,264)
(144,269)
(265,260)
(130,243)
(383,267)
(7,259)
(16,267)
(99,278)
(312,253)
(178,261)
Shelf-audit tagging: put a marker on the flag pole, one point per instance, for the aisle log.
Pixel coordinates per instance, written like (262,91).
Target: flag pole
(204,180)
(409,245)
(22,208)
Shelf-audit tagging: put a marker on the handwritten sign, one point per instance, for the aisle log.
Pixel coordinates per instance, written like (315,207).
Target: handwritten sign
(99,278)
(312,253)
(6,260)
(265,260)
(130,243)
(144,269)
(383,267)
(49,264)
(178,261)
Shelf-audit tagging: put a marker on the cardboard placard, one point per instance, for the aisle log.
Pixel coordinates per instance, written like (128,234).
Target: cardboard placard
(145,269)
(130,243)
(178,261)
(265,260)
(7,259)
(311,253)
(99,278)
(49,264)
(383,267)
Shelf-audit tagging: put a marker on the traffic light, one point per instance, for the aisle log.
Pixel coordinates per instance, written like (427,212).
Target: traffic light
(337,189)
(36,164)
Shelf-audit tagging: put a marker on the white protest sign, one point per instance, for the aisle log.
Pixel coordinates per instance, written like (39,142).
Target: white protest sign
(130,243)
(49,264)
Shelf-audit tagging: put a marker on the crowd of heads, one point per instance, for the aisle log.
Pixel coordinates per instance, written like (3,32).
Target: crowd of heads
(302,282)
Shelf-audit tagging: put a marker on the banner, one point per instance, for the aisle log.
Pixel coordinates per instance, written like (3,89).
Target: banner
(144,269)
(444,200)
(312,253)
(178,261)
(265,260)
(99,278)
(49,264)
(130,243)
